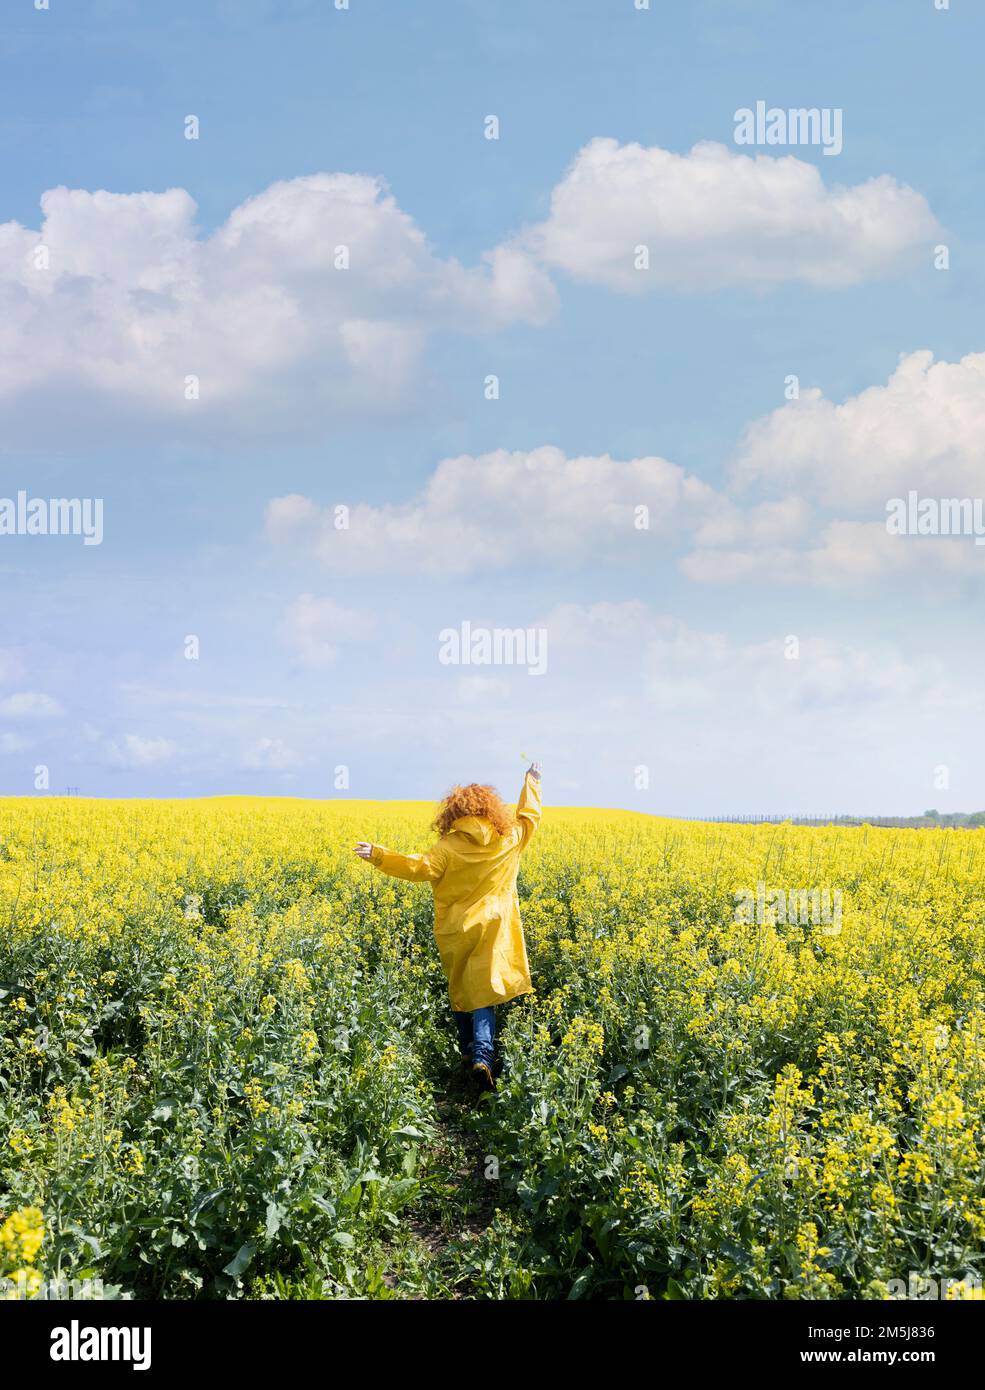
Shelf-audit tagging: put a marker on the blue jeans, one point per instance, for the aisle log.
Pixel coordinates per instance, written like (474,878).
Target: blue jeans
(477,1034)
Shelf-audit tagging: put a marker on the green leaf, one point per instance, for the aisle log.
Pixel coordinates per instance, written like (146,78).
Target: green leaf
(736,1254)
(91,1241)
(204,1200)
(240,1260)
(580,1284)
(275,1216)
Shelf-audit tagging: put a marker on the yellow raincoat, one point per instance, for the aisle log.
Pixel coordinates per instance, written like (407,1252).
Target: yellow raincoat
(472,871)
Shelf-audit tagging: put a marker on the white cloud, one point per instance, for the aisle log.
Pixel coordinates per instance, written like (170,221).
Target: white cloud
(924,429)
(846,553)
(288,515)
(12,743)
(117,298)
(842,464)
(724,722)
(576,626)
(755,525)
(315,628)
(270,754)
(133,300)
(713,217)
(135,751)
(29,704)
(713,680)
(540,506)
(503,508)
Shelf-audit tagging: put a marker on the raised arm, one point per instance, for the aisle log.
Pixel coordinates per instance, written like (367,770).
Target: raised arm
(416,868)
(528,808)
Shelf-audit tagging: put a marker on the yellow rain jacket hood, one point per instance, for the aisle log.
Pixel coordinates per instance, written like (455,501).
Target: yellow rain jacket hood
(472,871)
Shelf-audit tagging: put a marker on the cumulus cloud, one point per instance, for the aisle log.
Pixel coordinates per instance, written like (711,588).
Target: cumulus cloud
(316,298)
(925,428)
(29,704)
(843,466)
(503,508)
(838,554)
(117,295)
(713,217)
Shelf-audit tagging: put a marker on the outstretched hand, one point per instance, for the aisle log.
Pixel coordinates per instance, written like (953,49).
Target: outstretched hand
(534,770)
(363,848)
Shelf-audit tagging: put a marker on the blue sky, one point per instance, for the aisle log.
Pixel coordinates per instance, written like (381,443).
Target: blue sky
(364,388)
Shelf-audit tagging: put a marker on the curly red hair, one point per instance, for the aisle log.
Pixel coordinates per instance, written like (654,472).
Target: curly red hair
(473,800)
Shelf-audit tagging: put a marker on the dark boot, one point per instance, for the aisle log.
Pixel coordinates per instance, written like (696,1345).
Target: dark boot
(483,1075)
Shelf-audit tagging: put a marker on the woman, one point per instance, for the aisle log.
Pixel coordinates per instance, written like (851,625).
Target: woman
(472,871)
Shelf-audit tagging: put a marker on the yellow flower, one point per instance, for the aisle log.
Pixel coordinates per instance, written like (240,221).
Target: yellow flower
(917,1167)
(253,1091)
(23,1284)
(133,1160)
(21,1236)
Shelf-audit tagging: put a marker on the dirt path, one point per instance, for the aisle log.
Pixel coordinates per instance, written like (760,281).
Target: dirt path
(456,1203)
